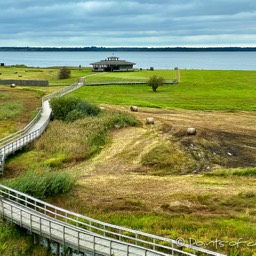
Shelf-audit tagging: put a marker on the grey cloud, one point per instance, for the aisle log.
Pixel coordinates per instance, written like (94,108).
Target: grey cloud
(115,22)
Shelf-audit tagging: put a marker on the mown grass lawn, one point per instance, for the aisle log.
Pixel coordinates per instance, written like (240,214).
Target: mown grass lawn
(198,90)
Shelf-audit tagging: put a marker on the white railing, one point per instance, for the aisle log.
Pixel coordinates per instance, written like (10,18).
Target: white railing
(75,226)
(22,141)
(21,132)
(18,140)
(2,159)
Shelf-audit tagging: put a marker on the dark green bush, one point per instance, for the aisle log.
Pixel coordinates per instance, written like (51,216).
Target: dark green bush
(73,115)
(71,109)
(64,73)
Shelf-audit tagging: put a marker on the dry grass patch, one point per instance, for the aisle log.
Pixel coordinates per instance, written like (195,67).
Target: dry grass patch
(17,108)
(115,186)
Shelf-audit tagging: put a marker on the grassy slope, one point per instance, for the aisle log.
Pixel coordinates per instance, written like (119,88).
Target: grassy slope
(200,90)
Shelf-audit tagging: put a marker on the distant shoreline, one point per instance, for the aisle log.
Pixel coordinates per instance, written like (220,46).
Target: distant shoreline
(111,49)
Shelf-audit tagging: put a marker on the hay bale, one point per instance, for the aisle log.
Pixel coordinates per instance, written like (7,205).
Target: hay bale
(150,120)
(134,109)
(13,85)
(191,131)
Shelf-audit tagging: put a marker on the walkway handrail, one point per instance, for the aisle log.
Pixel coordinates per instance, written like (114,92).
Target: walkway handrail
(66,234)
(11,145)
(157,243)
(22,131)
(22,141)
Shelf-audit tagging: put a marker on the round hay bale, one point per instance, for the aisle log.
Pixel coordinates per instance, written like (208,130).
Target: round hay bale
(191,131)
(150,120)
(13,85)
(134,109)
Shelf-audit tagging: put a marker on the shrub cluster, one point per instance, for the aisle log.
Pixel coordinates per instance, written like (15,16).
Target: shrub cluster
(43,185)
(155,82)
(71,109)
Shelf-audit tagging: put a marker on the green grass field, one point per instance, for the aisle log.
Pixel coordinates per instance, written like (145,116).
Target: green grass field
(198,90)
(50,74)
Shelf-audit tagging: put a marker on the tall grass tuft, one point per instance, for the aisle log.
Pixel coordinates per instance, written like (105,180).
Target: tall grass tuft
(247,172)
(43,184)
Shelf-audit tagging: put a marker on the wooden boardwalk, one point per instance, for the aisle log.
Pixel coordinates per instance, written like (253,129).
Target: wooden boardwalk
(71,230)
(70,236)
(85,234)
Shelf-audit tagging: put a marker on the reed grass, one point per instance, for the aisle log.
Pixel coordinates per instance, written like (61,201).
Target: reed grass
(42,184)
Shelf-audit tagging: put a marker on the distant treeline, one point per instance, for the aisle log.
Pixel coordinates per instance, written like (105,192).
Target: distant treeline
(151,49)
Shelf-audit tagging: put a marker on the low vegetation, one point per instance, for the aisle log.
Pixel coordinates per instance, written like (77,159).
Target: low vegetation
(71,109)
(14,241)
(71,142)
(247,172)
(165,159)
(154,178)
(11,110)
(17,108)
(43,184)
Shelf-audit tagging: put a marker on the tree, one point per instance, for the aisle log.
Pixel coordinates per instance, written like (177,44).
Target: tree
(64,73)
(155,81)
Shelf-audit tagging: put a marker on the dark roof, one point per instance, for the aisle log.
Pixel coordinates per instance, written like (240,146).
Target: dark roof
(112,62)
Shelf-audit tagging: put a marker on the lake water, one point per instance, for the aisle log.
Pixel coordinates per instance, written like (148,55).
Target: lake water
(158,60)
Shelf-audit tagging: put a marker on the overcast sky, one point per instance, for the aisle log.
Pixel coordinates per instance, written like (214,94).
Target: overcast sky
(155,23)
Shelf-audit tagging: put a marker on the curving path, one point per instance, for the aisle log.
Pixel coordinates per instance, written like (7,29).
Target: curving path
(78,232)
